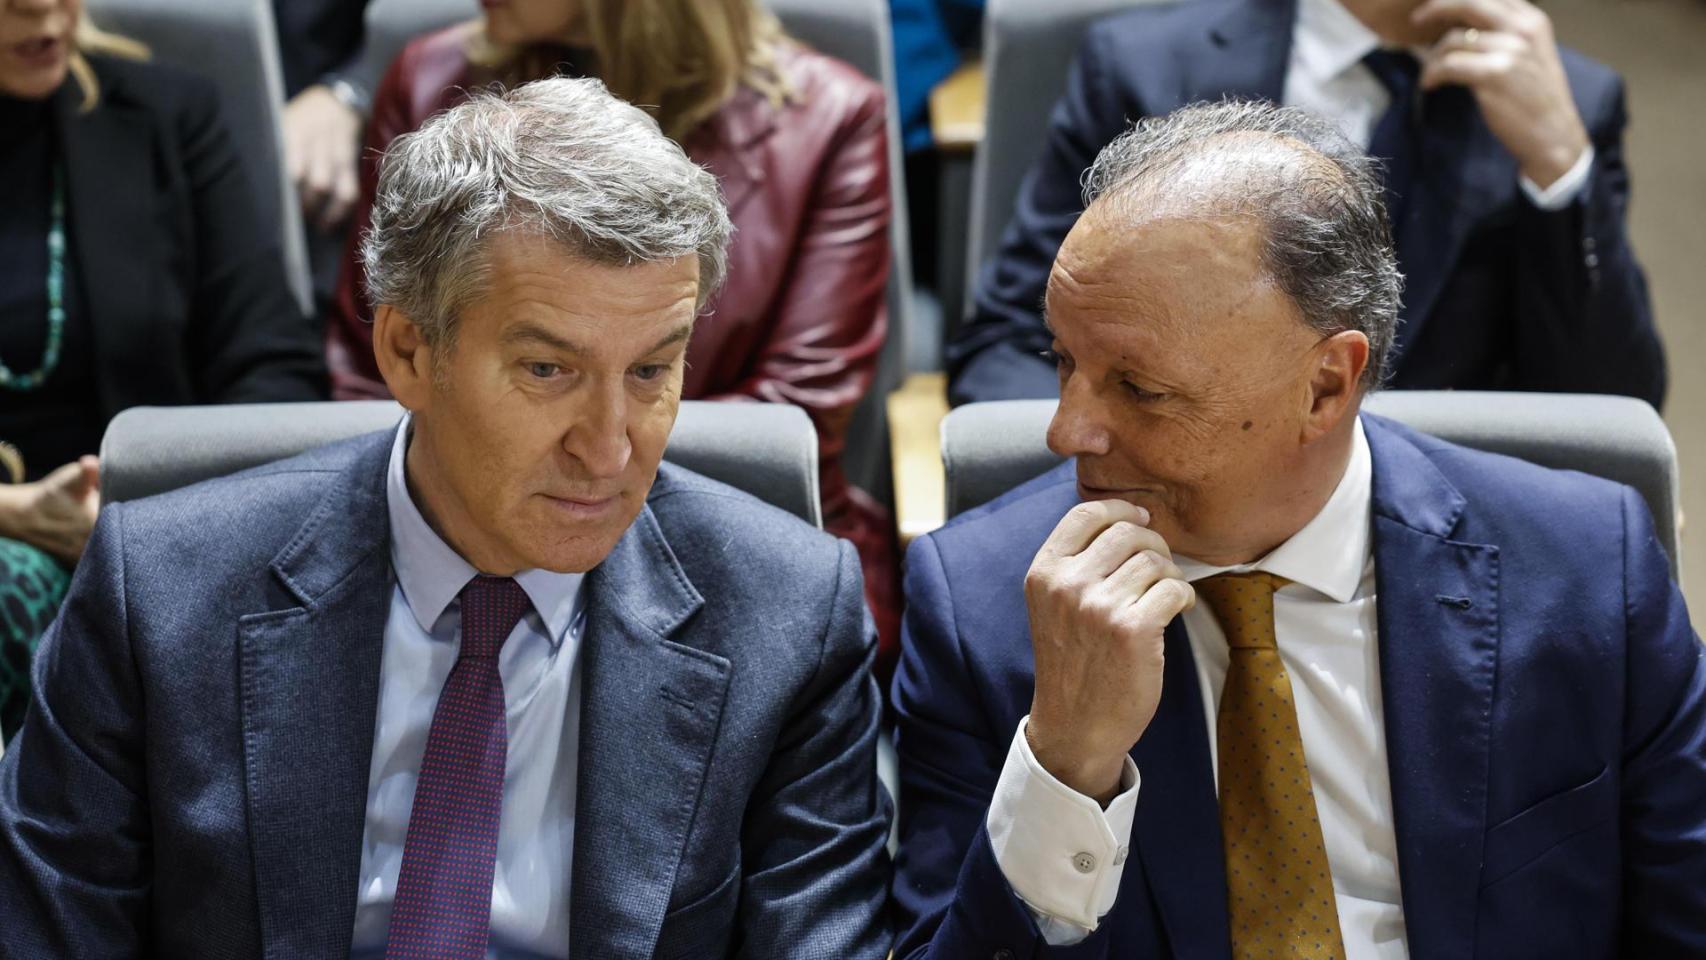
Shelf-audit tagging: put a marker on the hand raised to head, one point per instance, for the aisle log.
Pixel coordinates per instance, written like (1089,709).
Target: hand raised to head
(1100,592)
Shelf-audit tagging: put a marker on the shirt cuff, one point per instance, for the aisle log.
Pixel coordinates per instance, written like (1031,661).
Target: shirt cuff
(1059,850)
(1565,189)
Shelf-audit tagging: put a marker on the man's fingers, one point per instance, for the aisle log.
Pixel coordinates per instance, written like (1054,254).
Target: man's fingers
(1465,68)
(1114,546)
(1163,601)
(1085,522)
(1481,14)
(1141,571)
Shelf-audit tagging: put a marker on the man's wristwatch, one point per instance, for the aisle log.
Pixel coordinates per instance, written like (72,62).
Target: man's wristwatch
(350,96)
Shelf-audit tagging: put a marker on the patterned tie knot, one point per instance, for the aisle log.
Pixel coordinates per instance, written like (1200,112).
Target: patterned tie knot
(491,607)
(1244,605)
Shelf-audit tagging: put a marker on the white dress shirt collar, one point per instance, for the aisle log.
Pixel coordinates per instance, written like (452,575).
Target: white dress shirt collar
(1329,554)
(431,573)
(1327,39)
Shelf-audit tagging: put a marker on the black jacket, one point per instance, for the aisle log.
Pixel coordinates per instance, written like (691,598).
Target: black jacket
(183,282)
(1498,294)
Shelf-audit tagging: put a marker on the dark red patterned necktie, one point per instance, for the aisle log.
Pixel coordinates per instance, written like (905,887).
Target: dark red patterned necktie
(443,908)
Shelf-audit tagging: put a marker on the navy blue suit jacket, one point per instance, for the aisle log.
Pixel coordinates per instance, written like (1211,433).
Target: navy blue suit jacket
(191,780)
(1499,295)
(1545,702)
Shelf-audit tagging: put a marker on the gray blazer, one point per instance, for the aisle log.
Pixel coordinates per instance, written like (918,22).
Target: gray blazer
(192,777)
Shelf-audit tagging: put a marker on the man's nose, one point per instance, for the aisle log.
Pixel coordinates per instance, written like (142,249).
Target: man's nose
(599,438)
(1078,428)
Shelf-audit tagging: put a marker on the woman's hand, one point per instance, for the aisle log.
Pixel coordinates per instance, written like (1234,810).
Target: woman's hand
(55,514)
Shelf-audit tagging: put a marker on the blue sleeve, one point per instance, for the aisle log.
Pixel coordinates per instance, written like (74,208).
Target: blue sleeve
(950,897)
(1664,755)
(74,872)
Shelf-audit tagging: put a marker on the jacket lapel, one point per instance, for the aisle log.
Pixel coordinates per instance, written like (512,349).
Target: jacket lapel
(1461,171)
(1251,49)
(309,687)
(1176,833)
(649,716)
(1438,620)
(108,156)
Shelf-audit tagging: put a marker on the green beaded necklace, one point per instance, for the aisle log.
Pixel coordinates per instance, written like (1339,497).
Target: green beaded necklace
(55,299)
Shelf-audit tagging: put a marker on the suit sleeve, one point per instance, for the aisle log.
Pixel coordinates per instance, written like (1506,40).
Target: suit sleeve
(74,823)
(1664,755)
(249,341)
(951,899)
(1584,321)
(997,356)
(814,847)
(349,326)
(831,318)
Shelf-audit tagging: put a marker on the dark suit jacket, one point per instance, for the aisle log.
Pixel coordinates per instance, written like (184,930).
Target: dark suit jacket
(317,38)
(1499,295)
(1545,725)
(191,780)
(184,284)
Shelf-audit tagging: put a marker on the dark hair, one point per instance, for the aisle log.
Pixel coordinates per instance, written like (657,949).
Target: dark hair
(1316,194)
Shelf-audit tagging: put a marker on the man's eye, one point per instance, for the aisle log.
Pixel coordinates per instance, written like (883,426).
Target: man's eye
(543,371)
(650,371)
(1139,394)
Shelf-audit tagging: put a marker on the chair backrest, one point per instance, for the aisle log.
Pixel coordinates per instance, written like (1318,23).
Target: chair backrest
(989,448)
(234,43)
(1028,46)
(858,32)
(768,450)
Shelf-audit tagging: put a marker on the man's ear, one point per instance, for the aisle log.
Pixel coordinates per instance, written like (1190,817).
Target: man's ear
(1335,382)
(404,357)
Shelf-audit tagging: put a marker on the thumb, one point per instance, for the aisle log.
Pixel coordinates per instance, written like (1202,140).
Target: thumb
(91,468)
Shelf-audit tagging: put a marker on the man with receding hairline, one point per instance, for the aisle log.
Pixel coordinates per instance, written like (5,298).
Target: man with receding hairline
(1258,675)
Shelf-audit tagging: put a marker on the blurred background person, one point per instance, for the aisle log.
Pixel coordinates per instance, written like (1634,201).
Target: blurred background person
(1503,169)
(797,140)
(136,272)
(328,99)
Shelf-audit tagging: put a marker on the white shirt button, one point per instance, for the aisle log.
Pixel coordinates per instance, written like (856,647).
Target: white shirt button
(1084,862)
(1120,855)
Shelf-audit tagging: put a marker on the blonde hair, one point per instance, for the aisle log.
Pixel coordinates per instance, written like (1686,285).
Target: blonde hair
(680,60)
(92,39)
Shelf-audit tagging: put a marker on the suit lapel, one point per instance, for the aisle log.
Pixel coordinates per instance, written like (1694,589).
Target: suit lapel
(649,716)
(107,156)
(1439,633)
(1461,172)
(309,686)
(1252,48)
(1176,833)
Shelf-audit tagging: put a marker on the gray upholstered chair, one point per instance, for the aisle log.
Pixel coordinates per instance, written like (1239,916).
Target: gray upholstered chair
(391,24)
(857,31)
(989,448)
(234,44)
(1028,46)
(769,450)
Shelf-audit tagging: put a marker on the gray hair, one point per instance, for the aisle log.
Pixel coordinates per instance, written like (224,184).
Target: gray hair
(1316,194)
(559,158)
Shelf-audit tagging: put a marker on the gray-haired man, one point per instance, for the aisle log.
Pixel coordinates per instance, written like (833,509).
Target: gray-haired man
(492,684)
(1386,697)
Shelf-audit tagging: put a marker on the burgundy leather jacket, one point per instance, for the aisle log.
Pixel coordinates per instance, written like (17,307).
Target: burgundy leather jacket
(802,315)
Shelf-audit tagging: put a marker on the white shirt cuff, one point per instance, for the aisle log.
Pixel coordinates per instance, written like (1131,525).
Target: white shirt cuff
(1059,850)
(1565,189)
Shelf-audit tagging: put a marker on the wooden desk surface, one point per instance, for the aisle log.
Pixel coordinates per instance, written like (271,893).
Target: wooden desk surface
(957,109)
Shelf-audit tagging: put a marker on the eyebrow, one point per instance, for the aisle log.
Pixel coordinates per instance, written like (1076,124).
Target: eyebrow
(528,331)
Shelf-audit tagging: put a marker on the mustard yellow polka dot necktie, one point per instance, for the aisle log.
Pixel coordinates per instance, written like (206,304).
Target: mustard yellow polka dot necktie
(1278,886)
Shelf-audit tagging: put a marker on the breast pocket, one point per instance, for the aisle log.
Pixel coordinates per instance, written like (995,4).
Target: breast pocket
(702,928)
(1524,838)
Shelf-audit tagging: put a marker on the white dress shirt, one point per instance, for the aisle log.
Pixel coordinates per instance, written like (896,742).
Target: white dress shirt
(530,885)
(1044,834)
(1326,75)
